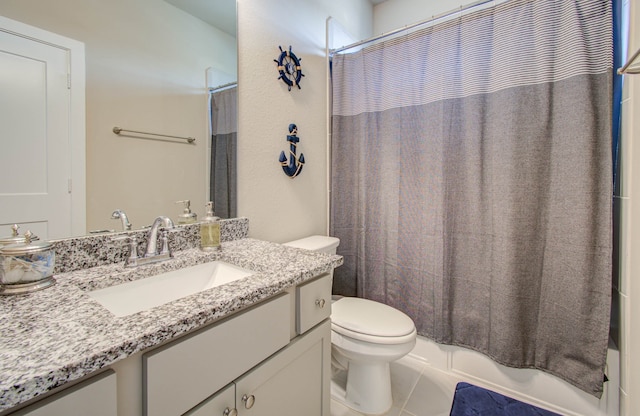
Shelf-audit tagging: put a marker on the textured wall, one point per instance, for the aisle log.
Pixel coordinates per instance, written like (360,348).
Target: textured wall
(280,208)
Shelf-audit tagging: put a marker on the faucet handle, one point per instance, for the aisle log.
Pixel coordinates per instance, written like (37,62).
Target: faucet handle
(132,260)
(164,237)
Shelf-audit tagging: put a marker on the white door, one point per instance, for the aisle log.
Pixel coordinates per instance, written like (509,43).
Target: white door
(35,152)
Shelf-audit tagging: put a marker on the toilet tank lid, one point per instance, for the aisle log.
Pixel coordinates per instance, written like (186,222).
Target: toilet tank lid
(320,243)
(369,317)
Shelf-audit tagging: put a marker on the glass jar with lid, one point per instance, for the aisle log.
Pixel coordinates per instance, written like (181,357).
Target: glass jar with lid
(26,266)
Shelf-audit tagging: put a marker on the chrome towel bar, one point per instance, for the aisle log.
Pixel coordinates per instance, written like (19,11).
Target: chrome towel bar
(118,130)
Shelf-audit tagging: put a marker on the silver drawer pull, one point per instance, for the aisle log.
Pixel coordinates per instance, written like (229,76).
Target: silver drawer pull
(320,303)
(248,401)
(230,412)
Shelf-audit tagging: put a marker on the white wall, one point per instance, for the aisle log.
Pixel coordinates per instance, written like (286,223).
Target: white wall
(280,208)
(146,63)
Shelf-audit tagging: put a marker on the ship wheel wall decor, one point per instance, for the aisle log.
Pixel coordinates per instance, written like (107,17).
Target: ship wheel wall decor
(289,68)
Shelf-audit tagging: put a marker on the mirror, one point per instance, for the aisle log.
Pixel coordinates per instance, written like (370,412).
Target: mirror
(149,65)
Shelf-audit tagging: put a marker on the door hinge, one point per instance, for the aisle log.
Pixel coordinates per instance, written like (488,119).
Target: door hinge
(68,81)
(69,185)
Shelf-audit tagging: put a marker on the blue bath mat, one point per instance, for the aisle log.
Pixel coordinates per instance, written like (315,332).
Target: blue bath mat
(470,400)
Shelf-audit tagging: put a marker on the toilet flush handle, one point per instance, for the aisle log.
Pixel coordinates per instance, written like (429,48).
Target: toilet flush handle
(320,303)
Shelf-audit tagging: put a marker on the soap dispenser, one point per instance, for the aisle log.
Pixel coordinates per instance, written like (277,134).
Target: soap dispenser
(210,230)
(187,217)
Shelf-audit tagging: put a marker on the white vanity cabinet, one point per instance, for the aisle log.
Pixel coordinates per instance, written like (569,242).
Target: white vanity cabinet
(292,382)
(295,381)
(183,373)
(95,396)
(273,358)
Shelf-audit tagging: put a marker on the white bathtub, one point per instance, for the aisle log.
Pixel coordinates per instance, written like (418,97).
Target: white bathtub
(533,386)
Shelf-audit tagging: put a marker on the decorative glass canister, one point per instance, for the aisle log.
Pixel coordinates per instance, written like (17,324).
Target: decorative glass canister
(27,266)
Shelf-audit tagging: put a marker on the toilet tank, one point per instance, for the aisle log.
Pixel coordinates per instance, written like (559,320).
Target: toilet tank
(319,243)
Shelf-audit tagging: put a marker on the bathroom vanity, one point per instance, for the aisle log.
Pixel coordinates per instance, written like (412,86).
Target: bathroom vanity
(256,346)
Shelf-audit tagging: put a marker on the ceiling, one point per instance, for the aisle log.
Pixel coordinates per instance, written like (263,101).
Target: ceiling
(218,13)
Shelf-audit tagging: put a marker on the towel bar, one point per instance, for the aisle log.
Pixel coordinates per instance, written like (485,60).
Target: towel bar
(118,130)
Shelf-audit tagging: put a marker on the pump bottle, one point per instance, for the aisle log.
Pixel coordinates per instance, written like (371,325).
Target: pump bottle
(210,230)
(187,217)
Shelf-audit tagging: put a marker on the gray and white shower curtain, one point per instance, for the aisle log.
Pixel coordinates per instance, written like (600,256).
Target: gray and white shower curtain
(472,185)
(224,139)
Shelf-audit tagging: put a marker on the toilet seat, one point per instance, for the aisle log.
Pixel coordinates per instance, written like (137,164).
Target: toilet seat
(374,339)
(371,321)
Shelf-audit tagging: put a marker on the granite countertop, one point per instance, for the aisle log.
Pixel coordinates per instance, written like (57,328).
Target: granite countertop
(60,334)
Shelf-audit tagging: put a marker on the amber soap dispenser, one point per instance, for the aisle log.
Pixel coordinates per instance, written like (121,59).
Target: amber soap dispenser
(210,230)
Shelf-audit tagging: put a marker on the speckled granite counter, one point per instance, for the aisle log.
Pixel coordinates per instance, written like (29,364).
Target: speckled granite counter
(60,334)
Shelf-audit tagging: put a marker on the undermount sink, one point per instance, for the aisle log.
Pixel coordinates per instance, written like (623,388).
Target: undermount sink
(143,294)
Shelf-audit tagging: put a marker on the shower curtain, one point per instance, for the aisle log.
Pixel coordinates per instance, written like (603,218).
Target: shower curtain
(224,135)
(471,182)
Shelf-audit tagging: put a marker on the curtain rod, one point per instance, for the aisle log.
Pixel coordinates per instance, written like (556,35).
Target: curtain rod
(223,86)
(411,26)
(625,68)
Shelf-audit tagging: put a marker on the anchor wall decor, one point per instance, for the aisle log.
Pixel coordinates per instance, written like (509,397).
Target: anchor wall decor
(293,166)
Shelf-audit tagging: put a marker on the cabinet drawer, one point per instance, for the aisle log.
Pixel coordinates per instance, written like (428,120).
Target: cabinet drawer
(94,396)
(185,372)
(313,302)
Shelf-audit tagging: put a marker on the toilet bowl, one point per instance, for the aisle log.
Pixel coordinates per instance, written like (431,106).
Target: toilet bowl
(366,336)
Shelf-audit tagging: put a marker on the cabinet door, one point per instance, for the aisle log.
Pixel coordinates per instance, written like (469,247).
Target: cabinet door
(216,405)
(293,382)
(96,396)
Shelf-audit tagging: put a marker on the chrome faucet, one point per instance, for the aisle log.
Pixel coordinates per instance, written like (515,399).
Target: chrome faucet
(120,215)
(160,225)
(161,228)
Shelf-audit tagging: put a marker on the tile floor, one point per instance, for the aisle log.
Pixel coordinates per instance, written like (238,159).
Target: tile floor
(417,388)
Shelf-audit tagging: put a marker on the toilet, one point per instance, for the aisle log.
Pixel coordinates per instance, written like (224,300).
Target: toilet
(366,336)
